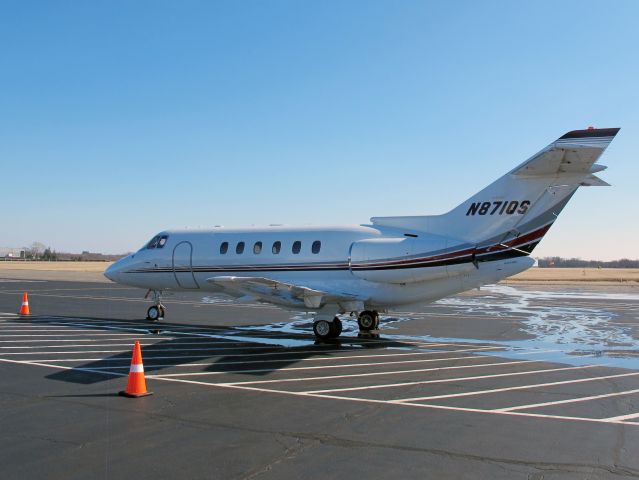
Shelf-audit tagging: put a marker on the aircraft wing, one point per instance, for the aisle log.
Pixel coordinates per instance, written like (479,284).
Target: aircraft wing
(282,293)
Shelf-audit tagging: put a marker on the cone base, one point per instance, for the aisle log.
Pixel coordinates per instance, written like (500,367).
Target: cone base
(134,395)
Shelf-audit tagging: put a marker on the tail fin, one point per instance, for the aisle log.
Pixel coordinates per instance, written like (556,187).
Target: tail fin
(519,208)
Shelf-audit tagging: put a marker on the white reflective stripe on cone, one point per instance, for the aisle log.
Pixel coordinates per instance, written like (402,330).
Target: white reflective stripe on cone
(137,369)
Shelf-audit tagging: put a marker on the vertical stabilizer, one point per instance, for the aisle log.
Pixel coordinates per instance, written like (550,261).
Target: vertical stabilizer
(526,201)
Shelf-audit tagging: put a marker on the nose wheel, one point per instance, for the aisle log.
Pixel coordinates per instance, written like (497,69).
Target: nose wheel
(155,312)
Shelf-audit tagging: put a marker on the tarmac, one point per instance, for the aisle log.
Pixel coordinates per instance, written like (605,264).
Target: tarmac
(509,382)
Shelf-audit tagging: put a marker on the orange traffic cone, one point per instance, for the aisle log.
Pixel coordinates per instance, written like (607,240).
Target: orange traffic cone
(136,386)
(24,309)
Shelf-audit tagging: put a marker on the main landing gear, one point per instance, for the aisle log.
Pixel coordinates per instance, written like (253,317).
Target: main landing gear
(366,321)
(324,329)
(155,312)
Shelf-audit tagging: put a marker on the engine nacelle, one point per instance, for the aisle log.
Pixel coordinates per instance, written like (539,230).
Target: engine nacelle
(410,259)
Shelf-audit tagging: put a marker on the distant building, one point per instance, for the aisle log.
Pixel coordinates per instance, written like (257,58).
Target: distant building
(8,252)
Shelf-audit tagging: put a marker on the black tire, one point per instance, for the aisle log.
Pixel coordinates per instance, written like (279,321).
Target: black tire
(153,313)
(366,321)
(337,327)
(323,329)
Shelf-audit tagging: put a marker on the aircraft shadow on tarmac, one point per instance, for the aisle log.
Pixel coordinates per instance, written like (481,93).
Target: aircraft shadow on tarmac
(218,354)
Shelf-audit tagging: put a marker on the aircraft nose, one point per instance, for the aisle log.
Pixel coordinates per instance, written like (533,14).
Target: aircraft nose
(113,273)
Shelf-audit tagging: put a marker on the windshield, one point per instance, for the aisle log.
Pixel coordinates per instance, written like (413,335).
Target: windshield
(156,242)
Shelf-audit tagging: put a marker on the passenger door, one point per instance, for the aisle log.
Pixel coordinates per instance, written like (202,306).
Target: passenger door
(183,266)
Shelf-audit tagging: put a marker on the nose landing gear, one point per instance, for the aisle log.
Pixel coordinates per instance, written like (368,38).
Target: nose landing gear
(155,312)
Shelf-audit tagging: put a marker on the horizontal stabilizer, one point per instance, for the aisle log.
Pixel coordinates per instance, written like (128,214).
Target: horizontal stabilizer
(573,153)
(594,181)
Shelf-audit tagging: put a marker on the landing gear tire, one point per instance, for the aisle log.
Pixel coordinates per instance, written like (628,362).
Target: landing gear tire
(323,329)
(367,321)
(337,327)
(154,313)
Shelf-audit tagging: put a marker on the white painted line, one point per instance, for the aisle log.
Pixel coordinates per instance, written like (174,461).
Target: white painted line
(145,326)
(184,357)
(166,346)
(159,344)
(563,402)
(461,409)
(361,400)
(311,359)
(85,334)
(79,369)
(5,327)
(294,353)
(388,403)
(520,387)
(448,380)
(330,377)
(317,359)
(142,300)
(623,417)
(63,331)
(119,339)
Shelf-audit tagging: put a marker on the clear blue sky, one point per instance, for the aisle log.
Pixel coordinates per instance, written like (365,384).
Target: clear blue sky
(120,119)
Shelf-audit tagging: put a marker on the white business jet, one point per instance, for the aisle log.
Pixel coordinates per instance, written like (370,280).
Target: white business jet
(373,268)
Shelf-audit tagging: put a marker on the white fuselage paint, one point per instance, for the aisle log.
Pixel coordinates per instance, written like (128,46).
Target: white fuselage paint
(190,257)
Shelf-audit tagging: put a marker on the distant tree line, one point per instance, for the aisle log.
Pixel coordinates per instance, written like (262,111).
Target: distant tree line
(38,251)
(559,262)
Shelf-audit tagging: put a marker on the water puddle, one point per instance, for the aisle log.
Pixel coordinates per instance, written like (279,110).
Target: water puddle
(576,327)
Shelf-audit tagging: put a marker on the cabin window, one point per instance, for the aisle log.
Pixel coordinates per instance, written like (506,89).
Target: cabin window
(257,248)
(224,247)
(162,241)
(297,246)
(277,246)
(317,245)
(239,249)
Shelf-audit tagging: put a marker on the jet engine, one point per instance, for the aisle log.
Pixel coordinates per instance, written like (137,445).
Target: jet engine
(410,259)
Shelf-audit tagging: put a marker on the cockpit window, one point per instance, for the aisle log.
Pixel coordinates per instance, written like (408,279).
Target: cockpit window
(157,242)
(154,242)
